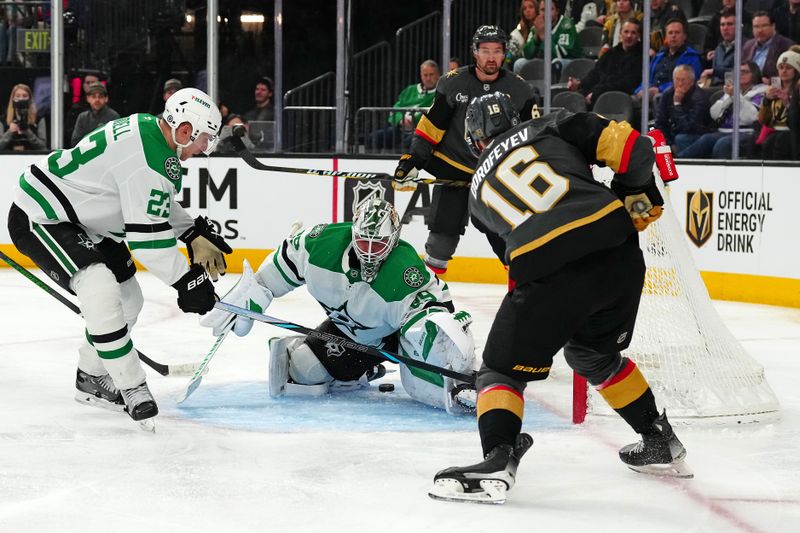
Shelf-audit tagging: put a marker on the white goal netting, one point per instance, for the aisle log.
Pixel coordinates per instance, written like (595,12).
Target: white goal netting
(694,365)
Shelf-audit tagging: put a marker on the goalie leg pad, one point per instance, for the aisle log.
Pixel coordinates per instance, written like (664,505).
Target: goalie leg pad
(294,370)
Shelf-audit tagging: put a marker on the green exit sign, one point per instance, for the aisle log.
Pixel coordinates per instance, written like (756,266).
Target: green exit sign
(33,41)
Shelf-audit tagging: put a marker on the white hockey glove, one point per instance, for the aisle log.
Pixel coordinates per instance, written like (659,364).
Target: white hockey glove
(246,293)
(206,247)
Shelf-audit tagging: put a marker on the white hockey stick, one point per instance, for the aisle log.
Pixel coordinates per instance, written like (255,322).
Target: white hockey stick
(197,377)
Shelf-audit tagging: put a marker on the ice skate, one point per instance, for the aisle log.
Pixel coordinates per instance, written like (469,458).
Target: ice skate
(485,482)
(98,391)
(140,406)
(659,453)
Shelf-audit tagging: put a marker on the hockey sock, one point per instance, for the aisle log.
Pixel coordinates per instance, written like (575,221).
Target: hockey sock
(500,410)
(629,394)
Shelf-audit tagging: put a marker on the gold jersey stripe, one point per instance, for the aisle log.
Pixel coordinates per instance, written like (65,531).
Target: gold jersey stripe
(549,236)
(501,399)
(627,391)
(612,142)
(452,163)
(428,130)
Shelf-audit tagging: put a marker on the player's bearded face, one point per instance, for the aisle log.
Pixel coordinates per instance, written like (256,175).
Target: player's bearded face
(489,58)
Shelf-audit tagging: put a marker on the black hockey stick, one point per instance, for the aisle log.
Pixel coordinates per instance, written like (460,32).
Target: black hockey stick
(346,343)
(250,159)
(185,369)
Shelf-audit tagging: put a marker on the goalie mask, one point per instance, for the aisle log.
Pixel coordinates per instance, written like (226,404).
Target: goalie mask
(195,107)
(376,230)
(487,117)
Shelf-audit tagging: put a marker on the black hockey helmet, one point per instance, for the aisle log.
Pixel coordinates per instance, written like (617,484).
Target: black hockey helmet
(489,34)
(488,116)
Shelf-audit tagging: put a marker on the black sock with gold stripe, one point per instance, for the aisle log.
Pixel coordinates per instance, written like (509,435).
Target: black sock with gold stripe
(629,394)
(500,410)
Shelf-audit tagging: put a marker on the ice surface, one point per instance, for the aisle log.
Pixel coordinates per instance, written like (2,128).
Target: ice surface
(232,459)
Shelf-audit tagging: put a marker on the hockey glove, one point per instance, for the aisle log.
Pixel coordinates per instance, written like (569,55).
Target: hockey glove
(246,293)
(195,291)
(407,170)
(206,247)
(644,206)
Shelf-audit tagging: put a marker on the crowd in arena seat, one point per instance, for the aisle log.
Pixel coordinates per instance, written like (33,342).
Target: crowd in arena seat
(696,38)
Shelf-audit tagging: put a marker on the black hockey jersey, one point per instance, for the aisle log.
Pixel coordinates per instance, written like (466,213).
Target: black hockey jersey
(439,138)
(533,186)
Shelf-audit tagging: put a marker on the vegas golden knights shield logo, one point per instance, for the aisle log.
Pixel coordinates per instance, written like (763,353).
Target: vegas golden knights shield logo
(699,216)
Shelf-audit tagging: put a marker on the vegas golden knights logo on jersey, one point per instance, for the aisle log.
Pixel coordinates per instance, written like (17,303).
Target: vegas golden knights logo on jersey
(699,216)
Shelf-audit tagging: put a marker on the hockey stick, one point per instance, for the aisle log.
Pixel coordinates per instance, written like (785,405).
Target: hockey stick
(345,343)
(250,159)
(197,377)
(185,369)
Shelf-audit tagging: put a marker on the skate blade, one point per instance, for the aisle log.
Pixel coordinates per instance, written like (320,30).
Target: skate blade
(450,490)
(94,401)
(677,469)
(148,425)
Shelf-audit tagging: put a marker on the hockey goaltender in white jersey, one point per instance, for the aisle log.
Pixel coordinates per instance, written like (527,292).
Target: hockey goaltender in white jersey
(376,291)
(74,211)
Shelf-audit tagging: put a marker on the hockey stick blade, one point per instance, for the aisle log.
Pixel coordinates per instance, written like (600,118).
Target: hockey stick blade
(197,377)
(186,369)
(250,159)
(345,343)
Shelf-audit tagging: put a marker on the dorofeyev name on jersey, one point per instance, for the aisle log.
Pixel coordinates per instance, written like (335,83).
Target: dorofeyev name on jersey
(497,152)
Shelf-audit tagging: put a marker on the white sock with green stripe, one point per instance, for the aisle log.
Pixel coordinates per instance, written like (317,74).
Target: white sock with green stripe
(100,298)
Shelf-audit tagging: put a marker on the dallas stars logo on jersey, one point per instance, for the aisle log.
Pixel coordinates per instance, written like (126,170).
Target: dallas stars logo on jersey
(413,277)
(173,168)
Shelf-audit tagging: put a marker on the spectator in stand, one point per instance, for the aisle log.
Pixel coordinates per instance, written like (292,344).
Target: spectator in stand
(455,63)
(722,56)
(683,111)
(612,28)
(676,52)
(564,42)
(787,19)
(620,69)
(264,109)
(766,45)
(171,86)
(228,124)
(24,130)
(402,125)
(528,11)
(718,144)
(775,139)
(662,12)
(714,35)
(98,113)
(79,105)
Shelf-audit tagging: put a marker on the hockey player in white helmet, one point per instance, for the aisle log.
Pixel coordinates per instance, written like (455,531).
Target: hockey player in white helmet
(77,212)
(375,290)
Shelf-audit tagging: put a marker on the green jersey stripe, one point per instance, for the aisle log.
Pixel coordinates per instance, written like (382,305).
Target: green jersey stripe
(416,318)
(152,245)
(281,272)
(116,354)
(59,254)
(49,212)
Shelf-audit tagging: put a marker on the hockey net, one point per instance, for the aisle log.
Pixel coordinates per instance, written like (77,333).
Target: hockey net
(695,367)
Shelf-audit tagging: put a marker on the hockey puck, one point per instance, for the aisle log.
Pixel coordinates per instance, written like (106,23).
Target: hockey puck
(386,387)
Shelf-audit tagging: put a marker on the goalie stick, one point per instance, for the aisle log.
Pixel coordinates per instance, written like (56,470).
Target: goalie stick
(197,377)
(250,159)
(346,343)
(185,369)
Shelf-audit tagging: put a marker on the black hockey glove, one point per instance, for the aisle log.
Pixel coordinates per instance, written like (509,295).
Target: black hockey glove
(644,206)
(206,247)
(195,291)
(408,169)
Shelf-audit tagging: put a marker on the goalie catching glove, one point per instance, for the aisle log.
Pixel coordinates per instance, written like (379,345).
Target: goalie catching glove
(246,293)
(206,247)
(644,206)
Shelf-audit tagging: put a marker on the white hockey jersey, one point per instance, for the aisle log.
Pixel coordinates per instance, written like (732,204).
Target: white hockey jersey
(321,258)
(118,182)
